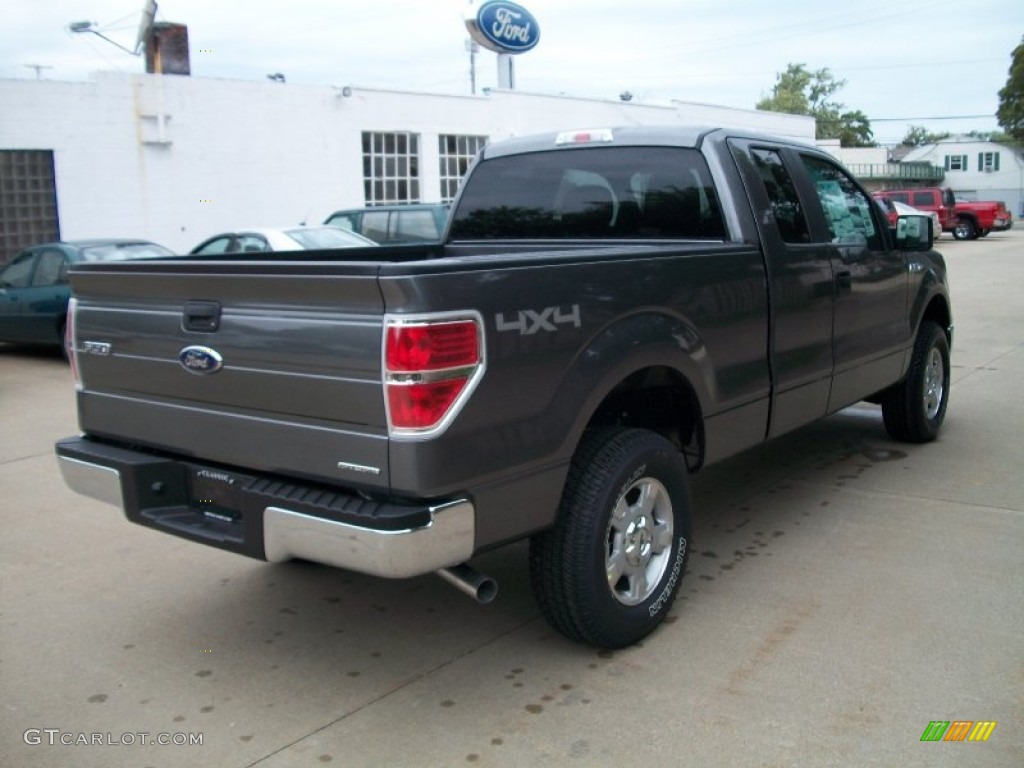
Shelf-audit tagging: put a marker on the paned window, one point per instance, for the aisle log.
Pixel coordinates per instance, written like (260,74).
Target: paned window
(455,153)
(28,200)
(391,168)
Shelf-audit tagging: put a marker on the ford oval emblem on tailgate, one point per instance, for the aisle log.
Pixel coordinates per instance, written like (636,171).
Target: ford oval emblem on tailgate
(197,359)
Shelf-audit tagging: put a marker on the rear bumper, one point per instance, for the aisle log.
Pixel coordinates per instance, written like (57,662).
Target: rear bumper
(271,518)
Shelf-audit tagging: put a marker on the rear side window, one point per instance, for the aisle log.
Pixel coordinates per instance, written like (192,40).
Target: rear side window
(252,244)
(50,270)
(782,196)
(375,225)
(415,225)
(589,193)
(926,199)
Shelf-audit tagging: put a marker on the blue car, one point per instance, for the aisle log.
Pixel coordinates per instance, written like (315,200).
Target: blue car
(34,289)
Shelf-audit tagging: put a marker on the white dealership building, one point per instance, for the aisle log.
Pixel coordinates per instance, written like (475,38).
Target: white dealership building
(175,158)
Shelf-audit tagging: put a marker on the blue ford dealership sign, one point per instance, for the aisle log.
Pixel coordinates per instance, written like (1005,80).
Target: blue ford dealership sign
(504,27)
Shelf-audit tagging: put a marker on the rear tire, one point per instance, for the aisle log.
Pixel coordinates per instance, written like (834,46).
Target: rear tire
(914,409)
(608,572)
(965,230)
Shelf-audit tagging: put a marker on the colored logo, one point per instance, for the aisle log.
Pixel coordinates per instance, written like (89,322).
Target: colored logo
(958,730)
(201,360)
(504,27)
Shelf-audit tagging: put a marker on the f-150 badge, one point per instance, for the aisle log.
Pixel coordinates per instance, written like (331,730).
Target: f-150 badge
(201,360)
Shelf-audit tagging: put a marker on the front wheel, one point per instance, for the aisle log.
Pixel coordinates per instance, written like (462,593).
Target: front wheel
(609,570)
(965,230)
(914,409)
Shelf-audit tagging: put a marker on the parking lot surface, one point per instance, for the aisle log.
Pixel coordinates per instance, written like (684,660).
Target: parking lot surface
(844,592)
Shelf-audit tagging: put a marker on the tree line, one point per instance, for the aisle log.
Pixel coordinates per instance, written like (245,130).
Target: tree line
(800,91)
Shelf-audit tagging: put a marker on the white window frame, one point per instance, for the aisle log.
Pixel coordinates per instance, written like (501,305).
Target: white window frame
(989,162)
(391,163)
(455,153)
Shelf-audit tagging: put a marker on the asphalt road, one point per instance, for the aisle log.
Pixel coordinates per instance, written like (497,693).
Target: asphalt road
(844,592)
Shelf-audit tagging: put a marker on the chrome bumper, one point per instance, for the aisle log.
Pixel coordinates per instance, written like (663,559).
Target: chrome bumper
(447,540)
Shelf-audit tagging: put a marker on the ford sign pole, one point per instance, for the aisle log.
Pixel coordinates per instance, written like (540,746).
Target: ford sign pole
(507,29)
(506,72)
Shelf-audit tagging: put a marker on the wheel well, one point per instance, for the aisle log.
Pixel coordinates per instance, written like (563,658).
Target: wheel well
(938,312)
(661,400)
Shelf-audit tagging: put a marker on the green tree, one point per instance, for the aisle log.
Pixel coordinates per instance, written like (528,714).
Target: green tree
(1011,97)
(996,136)
(855,130)
(918,135)
(798,91)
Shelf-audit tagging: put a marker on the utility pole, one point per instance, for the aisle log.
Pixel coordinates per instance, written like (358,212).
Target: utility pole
(472,48)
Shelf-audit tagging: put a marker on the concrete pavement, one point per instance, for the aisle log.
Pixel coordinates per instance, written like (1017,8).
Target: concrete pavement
(844,592)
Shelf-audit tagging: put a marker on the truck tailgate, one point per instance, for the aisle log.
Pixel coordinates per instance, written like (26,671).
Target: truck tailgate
(270,365)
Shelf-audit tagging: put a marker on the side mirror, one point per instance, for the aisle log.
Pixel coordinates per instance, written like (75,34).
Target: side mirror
(914,233)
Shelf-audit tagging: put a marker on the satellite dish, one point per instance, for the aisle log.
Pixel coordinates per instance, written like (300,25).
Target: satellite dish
(146,24)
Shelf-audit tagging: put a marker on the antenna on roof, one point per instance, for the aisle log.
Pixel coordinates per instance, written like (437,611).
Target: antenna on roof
(146,24)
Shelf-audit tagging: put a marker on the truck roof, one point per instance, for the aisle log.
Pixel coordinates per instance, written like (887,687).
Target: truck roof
(631,135)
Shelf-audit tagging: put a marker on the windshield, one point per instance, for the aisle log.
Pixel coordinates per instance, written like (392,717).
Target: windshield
(122,251)
(596,192)
(315,238)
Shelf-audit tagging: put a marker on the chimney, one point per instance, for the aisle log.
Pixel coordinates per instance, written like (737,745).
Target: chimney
(167,49)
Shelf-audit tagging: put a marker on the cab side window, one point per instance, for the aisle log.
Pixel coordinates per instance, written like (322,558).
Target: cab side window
(18,273)
(220,245)
(782,196)
(848,211)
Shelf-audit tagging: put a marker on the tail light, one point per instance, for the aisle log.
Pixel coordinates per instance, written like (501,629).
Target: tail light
(70,346)
(431,366)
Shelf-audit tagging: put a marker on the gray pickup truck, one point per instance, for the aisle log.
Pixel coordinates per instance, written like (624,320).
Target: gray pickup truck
(609,311)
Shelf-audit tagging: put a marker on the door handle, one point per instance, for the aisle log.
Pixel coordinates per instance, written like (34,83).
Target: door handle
(202,316)
(844,282)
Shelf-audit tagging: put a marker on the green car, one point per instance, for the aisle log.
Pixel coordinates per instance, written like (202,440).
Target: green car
(34,288)
(394,224)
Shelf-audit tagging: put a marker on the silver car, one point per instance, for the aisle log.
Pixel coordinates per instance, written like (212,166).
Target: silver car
(263,239)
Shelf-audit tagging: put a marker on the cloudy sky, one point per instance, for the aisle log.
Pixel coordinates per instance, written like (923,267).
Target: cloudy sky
(936,63)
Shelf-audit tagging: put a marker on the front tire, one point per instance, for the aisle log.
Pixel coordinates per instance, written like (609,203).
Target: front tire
(608,572)
(914,409)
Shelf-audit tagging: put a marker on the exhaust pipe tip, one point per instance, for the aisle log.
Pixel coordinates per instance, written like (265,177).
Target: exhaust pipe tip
(481,588)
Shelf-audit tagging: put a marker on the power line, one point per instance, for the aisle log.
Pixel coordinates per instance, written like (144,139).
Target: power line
(944,117)
(819,25)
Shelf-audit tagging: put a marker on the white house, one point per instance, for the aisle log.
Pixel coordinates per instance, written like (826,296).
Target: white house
(978,170)
(176,159)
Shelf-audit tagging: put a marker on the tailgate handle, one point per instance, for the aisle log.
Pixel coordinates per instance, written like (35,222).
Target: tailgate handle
(202,316)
